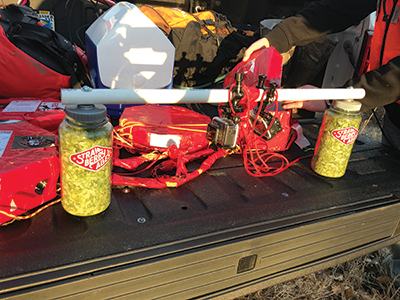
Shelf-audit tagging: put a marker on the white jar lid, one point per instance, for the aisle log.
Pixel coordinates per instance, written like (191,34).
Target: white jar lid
(348,105)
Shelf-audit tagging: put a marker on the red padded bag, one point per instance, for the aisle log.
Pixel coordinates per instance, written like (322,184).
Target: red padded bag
(156,127)
(36,61)
(24,76)
(167,137)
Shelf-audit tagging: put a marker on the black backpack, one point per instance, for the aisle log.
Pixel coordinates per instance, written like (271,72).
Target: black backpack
(20,24)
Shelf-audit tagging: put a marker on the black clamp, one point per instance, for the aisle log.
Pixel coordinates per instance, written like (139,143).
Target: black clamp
(237,95)
(270,98)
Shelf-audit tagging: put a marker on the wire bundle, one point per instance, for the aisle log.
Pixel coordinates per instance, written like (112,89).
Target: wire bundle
(258,160)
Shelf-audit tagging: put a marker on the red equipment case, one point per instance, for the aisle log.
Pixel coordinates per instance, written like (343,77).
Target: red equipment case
(29,168)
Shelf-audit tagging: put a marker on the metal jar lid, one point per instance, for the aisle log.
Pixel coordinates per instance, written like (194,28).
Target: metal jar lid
(86,113)
(347,105)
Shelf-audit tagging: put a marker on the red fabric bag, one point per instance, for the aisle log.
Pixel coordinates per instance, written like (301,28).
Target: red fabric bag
(36,61)
(166,137)
(24,76)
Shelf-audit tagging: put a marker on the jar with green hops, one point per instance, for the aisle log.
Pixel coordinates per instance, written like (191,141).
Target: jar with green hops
(85,137)
(339,130)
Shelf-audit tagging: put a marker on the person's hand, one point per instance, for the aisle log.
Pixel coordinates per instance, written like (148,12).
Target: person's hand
(311,105)
(263,42)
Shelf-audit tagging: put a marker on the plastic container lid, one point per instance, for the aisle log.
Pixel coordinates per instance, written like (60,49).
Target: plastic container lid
(348,105)
(86,113)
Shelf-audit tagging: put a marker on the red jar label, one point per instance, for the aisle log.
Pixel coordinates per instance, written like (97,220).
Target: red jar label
(92,159)
(346,135)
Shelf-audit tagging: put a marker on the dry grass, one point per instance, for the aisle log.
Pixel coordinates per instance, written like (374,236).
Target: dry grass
(361,279)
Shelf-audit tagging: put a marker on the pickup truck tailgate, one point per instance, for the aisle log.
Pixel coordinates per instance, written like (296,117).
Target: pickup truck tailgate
(221,235)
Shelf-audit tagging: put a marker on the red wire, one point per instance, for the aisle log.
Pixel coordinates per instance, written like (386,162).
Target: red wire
(144,169)
(273,117)
(260,162)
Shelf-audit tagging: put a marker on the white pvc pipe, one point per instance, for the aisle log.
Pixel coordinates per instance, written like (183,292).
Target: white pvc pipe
(320,94)
(174,96)
(143,96)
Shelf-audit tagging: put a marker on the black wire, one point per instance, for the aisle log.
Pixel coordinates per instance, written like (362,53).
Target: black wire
(54,9)
(97,2)
(70,33)
(69,17)
(383,132)
(85,26)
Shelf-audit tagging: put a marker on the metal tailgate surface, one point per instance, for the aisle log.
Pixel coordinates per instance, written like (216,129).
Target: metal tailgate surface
(225,224)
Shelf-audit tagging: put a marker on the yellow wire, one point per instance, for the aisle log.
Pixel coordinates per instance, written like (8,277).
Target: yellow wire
(16,217)
(124,137)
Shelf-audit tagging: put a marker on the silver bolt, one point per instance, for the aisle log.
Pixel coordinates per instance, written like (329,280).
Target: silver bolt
(141,220)
(126,190)
(285,194)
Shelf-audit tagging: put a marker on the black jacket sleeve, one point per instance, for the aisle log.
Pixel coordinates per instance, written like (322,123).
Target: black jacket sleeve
(382,86)
(337,15)
(317,20)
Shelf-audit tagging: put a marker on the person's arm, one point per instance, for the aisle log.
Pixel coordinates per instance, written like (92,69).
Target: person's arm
(293,31)
(382,85)
(337,15)
(314,22)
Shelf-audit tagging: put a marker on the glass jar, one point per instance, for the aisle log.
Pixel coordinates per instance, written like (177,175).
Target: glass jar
(85,138)
(339,130)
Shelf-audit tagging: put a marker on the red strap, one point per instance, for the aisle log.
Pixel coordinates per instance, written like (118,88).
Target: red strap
(161,182)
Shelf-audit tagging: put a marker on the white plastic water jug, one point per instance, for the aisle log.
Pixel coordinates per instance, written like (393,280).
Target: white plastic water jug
(126,50)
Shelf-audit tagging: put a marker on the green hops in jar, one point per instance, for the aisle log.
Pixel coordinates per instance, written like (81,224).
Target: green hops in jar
(339,130)
(86,151)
